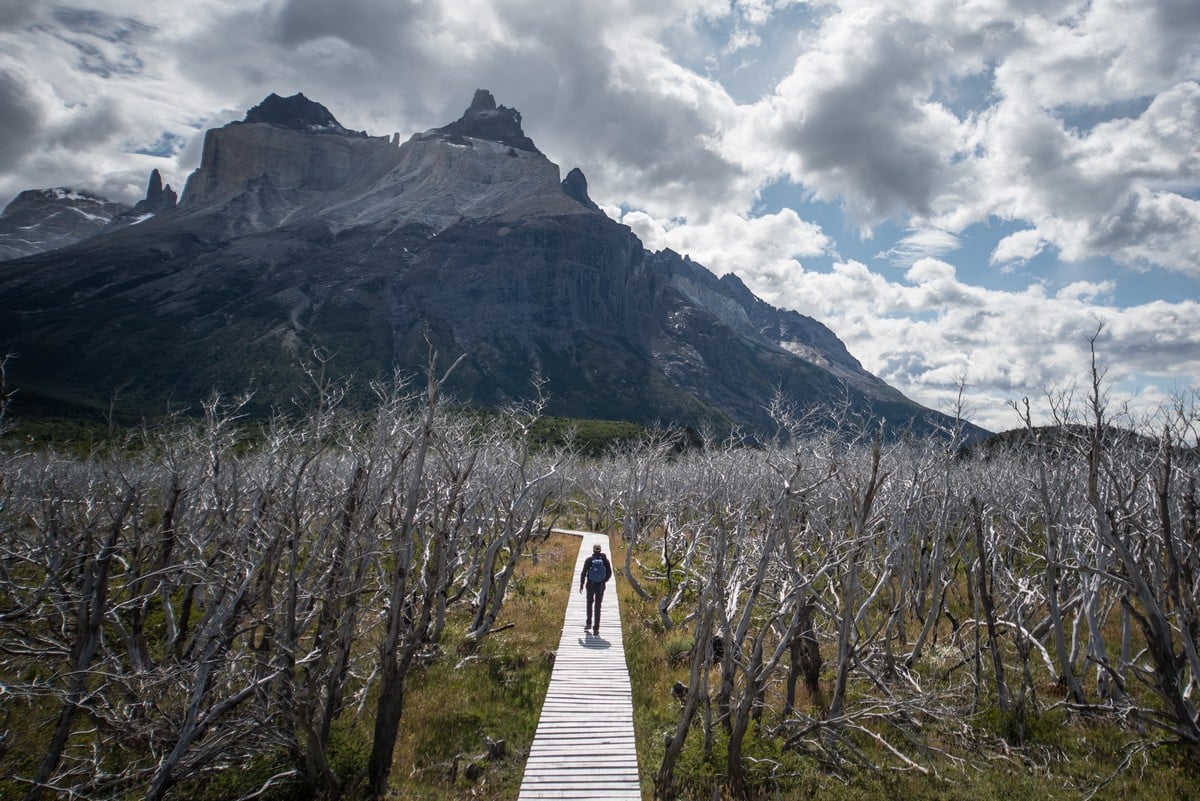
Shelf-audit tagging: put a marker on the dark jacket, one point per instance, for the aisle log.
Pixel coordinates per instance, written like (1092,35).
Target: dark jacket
(587,563)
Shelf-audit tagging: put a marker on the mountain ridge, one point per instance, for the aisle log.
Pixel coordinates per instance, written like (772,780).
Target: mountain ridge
(293,238)
(37,220)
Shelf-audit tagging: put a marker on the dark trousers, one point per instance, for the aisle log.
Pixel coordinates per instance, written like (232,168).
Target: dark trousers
(595,594)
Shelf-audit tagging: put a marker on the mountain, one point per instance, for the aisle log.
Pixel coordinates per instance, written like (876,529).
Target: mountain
(44,219)
(299,241)
(39,220)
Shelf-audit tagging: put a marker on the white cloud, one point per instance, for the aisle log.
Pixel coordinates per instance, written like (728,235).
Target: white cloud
(855,120)
(1075,122)
(1100,52)
(765,249)
(924,332)
(866,120)
(1114,191)
(1019,246)
(920,244)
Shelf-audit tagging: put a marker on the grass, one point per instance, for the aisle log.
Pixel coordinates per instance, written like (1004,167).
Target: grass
(497,692)
(1067,758)
(651,673)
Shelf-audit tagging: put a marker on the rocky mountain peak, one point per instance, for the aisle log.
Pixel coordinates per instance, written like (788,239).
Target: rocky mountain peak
(466,234)
(158,199)
(485,120)
(297,113)
(44,219)
(575,186)
(293,143)
(482,102)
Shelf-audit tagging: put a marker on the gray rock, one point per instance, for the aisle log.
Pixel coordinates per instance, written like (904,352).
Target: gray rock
(483,119)
(575,186)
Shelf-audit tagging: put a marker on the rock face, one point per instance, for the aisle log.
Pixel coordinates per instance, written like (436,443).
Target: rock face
(300,163)
(575,187)
(297,237)
(44,219)
(158,200)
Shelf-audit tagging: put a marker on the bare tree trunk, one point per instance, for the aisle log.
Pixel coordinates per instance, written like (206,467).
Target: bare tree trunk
(394,661)
(805,655)
(983,571)
(665,777)
(89,621)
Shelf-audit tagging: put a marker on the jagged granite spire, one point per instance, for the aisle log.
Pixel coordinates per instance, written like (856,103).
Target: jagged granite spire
(158,200)
(485,120)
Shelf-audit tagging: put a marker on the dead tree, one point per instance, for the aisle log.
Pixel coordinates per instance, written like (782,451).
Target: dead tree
(521,487)
(91,599)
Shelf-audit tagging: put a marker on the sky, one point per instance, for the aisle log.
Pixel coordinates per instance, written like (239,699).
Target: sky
(969,193)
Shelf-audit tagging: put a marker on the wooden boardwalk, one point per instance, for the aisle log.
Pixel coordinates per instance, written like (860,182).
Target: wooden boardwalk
(584,747)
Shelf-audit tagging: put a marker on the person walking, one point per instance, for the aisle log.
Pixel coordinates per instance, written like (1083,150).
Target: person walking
(596,573)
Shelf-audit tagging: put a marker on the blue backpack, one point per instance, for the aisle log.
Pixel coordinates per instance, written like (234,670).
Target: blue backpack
(596,572)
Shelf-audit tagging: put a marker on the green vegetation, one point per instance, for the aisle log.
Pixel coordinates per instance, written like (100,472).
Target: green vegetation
(497,692)
(81,431)
(588,437)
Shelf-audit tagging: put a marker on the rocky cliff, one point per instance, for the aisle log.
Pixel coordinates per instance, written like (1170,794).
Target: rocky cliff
(292,144)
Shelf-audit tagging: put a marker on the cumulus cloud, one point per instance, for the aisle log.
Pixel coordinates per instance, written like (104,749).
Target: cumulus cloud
(1097,53)
(1074,124)
(763,249)
(874,116)
(1119,190)
(1017,247)
(855,120)
(923,333)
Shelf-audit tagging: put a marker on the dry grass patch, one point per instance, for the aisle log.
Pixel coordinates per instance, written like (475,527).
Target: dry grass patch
(495,691)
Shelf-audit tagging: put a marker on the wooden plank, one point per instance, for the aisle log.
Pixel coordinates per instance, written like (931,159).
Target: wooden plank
(584,748)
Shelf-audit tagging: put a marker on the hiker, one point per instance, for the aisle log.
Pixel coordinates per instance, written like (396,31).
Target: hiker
(596,572)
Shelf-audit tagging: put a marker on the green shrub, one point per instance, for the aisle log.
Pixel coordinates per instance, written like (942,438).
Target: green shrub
(679,646)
